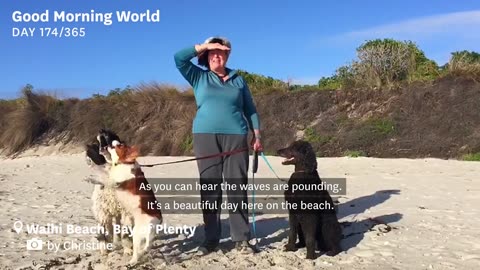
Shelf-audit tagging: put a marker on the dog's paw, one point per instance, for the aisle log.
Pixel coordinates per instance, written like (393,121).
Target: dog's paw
(289,247)
(92,180)
(88,179)
(89,161)
(133,262)
(311,256)
(332,253)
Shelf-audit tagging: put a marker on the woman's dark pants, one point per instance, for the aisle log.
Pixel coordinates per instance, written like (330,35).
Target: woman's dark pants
(234,169)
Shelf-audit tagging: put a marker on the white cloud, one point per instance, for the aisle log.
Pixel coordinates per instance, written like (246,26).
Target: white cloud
(461,24)
(437,35)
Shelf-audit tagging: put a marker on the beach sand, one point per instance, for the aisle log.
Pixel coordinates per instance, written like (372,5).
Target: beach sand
(396,214)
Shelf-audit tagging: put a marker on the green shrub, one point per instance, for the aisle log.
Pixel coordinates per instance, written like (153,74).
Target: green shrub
(464,63)
(471,157)
(383,63)
(382,126)
(187,144)
(311,136)
(354,153)
(260,84)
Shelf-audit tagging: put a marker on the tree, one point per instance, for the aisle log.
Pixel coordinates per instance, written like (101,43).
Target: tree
(27,89)
(384,61)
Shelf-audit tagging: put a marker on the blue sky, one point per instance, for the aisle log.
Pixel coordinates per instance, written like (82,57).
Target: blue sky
(289,40)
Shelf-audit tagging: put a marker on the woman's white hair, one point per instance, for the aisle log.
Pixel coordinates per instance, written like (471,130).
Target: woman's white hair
(225,41)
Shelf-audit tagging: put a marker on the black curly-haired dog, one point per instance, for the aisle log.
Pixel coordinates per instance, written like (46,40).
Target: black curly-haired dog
(314,220)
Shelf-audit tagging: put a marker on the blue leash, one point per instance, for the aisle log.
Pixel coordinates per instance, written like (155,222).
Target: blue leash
(271,168)
(254,170)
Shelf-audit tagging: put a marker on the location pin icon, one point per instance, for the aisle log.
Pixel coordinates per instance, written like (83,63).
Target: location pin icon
(17,226)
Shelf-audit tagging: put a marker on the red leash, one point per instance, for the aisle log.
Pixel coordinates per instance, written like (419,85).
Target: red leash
(198,158)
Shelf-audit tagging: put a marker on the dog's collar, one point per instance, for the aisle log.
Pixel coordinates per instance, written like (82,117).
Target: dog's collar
(305,171)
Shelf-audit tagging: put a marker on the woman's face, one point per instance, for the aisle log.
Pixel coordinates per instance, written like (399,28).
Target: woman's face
(217,59)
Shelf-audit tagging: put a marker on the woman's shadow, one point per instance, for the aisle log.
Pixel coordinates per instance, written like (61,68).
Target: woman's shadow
(275,229)
(267,231)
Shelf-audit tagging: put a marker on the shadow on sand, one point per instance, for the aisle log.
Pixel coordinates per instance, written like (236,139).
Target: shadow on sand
(273,230)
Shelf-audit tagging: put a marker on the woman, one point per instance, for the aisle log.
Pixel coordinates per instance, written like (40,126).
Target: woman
(225,113)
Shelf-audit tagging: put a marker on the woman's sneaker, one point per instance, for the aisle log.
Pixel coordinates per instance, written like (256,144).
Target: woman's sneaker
(245,247)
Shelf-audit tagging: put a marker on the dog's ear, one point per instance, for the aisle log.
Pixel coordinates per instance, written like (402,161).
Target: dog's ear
(127,153)
(132,154)
(121,151)
(93,154)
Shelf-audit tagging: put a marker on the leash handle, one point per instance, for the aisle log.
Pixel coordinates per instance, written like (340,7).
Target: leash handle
(255,162)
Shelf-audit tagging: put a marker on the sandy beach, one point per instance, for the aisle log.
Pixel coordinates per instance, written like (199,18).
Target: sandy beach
(396,214)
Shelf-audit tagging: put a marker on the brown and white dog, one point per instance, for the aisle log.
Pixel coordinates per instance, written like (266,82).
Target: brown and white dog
(106,208)
(128,179)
